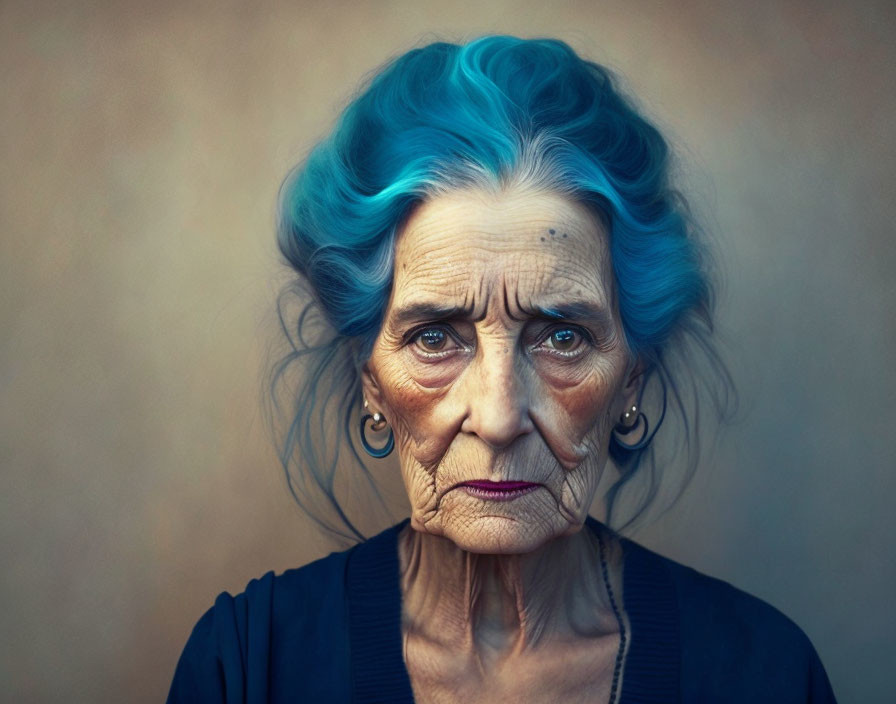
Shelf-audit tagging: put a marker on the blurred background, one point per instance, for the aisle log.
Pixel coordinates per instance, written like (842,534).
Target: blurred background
(142,147)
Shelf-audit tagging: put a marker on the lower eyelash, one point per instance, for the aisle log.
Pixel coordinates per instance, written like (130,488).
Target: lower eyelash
(567,355)
(433,355)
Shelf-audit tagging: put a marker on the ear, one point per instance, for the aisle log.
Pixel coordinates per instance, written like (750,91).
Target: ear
(634,381)
(370,388)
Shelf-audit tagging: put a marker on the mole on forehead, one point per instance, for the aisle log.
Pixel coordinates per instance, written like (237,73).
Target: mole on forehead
(533,268)
(443,235)
(472,213)
(452,253)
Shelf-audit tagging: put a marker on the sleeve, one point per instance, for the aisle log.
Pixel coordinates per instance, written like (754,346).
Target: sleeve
(820,690)
(210,668)
(738,648)
(198,676)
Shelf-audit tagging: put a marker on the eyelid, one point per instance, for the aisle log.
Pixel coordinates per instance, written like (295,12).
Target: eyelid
(415,331)
(550,327)
(584,343)
(553,327)
(411,336)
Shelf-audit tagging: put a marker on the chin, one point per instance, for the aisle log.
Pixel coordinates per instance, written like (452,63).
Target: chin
(500,535)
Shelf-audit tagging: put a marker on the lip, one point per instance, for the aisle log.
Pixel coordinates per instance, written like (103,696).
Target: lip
(497,491)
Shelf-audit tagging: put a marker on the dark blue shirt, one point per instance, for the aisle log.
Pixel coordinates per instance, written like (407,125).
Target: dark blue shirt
(331,632)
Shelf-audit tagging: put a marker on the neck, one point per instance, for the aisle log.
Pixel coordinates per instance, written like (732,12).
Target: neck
(499,605)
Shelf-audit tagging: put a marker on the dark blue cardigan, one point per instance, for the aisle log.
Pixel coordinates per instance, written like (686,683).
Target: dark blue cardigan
(331,632)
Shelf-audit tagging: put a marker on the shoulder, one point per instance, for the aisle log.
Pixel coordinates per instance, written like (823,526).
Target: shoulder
(262,641)
(732,641)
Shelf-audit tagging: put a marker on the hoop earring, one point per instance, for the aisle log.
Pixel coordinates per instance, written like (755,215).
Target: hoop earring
(377,425)
(627,423)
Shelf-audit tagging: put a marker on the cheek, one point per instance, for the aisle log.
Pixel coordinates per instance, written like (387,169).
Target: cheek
(433,375)
(582,412)
(416,414)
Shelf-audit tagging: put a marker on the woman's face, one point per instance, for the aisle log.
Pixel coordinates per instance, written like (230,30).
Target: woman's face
(501,359)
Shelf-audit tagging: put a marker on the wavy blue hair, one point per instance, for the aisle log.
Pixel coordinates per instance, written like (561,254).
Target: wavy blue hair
(496,112)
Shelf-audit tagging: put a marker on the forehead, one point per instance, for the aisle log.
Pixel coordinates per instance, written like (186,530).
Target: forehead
(532,244)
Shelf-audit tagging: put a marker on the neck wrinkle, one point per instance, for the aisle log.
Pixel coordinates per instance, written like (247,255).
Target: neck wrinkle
(503,604)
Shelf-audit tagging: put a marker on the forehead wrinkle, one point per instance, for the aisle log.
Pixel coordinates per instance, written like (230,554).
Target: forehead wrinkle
(542,209)
(418,249)
(461,246)
(469,214)
(450,291)
(550,285)
(514,289)
(423,255)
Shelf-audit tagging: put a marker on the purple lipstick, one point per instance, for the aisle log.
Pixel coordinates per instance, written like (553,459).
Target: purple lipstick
(498,491)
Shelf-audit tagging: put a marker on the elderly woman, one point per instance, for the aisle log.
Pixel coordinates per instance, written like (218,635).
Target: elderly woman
(491,235)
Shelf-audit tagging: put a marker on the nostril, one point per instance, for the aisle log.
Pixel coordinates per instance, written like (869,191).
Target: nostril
(498,419)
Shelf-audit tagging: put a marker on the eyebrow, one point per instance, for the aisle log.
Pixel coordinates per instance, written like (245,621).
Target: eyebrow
(414,312)
(572,311)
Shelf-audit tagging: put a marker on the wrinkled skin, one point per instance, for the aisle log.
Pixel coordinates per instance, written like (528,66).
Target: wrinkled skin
(502,357)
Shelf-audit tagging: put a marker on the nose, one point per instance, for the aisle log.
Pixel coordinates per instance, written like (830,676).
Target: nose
(498,396)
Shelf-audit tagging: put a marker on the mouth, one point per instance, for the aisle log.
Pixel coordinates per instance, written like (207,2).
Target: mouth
(497,491)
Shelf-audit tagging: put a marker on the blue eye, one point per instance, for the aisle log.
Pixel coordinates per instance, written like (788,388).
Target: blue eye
(432,339)
(564,339)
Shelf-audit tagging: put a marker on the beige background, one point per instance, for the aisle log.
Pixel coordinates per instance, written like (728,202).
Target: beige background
(142,148)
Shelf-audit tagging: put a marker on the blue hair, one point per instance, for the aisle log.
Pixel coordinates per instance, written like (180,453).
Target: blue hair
(492,113)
